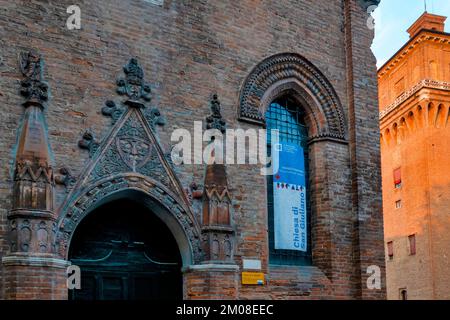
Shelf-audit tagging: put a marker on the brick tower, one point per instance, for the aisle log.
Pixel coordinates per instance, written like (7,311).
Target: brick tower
(414,94)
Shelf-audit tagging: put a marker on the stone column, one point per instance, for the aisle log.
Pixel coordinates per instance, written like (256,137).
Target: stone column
(31,268)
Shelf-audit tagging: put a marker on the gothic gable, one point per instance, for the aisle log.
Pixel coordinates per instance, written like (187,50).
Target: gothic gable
(131,147)
(130,157)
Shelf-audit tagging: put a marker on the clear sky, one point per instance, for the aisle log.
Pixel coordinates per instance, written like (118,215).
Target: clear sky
(394,17)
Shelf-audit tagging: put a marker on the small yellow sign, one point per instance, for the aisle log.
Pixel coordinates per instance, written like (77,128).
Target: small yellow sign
(253,278)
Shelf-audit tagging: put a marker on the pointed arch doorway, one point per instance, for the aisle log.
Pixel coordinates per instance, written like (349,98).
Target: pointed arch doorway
(125,252)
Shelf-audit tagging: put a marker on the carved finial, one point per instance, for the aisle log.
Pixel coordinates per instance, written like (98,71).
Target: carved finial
(34,89)
(215,120)
(133,85)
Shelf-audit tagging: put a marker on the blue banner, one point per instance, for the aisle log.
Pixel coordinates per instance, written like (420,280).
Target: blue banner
(289,197)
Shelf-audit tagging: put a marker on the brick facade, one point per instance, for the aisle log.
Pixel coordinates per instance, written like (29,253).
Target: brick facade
(188,51)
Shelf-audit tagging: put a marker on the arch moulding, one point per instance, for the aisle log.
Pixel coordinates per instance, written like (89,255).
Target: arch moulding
(291,73)
(162,202)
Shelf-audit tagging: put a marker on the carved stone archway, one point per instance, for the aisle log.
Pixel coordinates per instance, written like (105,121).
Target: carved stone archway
(164,203)
(291,72)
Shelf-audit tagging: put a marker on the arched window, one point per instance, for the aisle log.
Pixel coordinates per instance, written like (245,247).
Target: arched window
(289,225)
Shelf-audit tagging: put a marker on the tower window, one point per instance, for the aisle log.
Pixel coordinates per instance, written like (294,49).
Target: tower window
(398,178)
(398,204)
(412,244)
(390,249)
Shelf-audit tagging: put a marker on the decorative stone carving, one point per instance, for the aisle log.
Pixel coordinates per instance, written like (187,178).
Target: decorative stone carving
(133,149)
(89,143)
(34,89)
(33,174)
(31,234)
(130,157)
(34,181)
(215,120)
(112,110)
(217,227)
(196,190)
(217,199)
(289,67)
(42,237)
(79,204)
(135,88)
(33,186)
(13,235)
(65,178)
(154,117)
(133,85)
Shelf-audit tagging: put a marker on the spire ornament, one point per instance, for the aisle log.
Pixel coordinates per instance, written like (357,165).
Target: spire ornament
(32,213)
(133,84)
(34,88)
(217,223)
(215,120)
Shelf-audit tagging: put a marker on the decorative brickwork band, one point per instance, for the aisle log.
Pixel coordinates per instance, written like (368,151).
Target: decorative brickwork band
(425,83)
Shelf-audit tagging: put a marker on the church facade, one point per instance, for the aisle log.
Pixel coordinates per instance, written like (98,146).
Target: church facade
(88,176)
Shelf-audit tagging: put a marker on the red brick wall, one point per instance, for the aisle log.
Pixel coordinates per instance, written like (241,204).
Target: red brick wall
(420,148)
(34,282)
(206,283)
(190,49)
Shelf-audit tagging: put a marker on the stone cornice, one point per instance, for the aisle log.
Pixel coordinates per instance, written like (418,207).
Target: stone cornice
(422,36)
(426,83)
